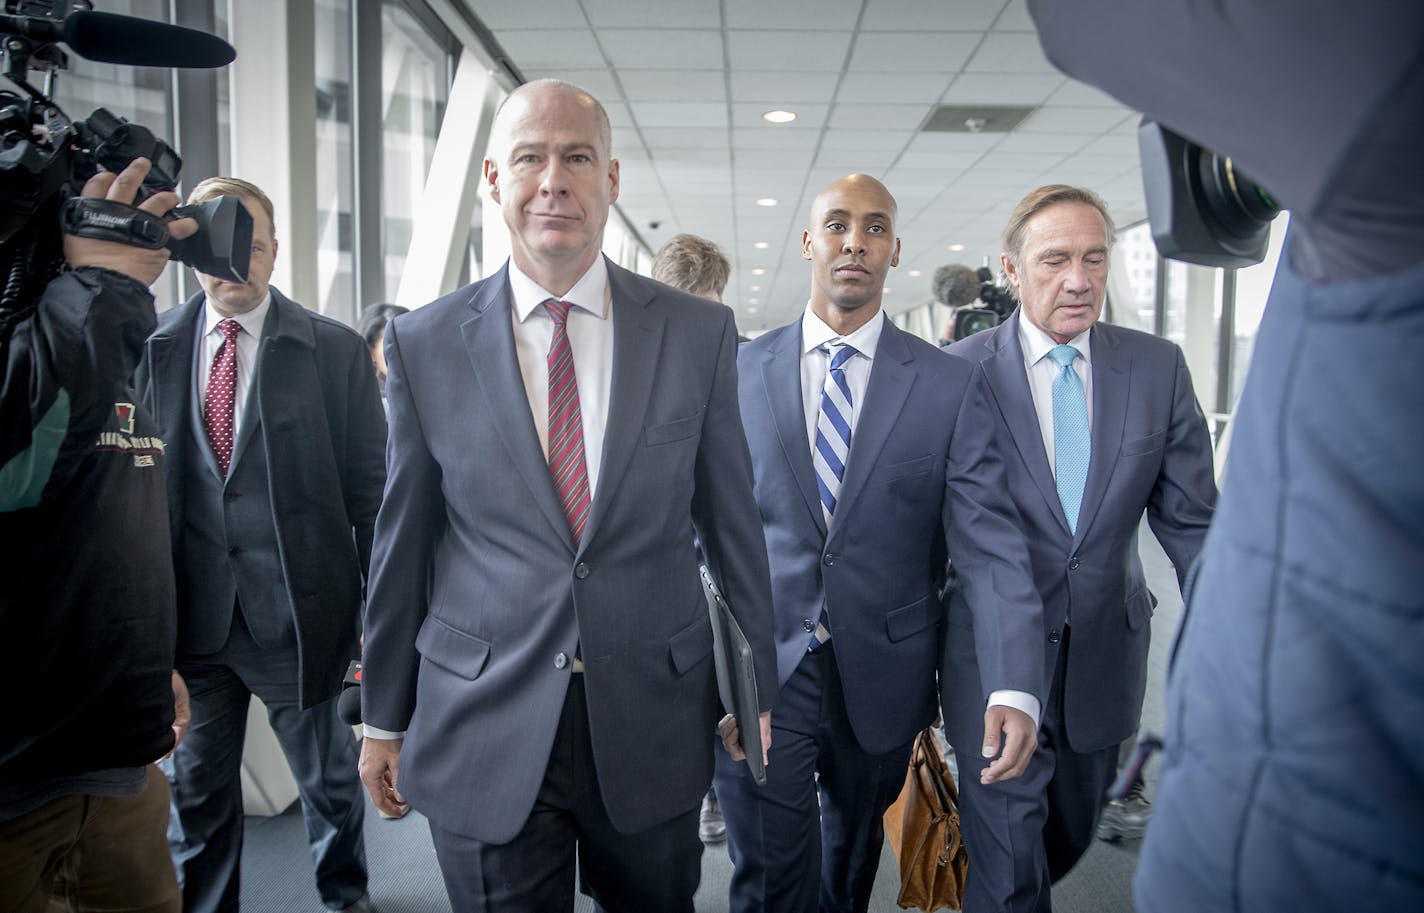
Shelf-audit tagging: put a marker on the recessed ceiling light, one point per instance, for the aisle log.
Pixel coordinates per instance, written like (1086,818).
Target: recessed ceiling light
(761,245)
(766,201)
(751,310)
(914,274)
(885,290)
(758,272)
(779,117)
(956,247)
(753,301)
(756,288)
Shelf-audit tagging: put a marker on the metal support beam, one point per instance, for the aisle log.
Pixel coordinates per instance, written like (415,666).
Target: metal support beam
(367,256)
(195,121)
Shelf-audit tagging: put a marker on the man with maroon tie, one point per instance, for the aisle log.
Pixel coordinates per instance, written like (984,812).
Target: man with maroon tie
(538,664)
(275,465)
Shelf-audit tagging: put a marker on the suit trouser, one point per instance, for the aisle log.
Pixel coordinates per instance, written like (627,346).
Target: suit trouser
(656,869)
(1024,834)
(90,853)
(205,832)
(810,839)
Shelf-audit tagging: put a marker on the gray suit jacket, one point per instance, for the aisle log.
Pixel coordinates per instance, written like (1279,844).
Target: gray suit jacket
(1150,451)
(923,470)
(479,596)
(288,532)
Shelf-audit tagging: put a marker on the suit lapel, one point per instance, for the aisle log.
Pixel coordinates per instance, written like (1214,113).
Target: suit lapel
(781,381)
(489,340)
(891,376)
(1008,380)
(1112,369)
(173,351)
(637,340)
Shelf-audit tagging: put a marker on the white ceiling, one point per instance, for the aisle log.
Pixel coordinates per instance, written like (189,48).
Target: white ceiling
(685,83)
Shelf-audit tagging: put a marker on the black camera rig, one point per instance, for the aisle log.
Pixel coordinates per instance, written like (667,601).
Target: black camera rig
(45,157)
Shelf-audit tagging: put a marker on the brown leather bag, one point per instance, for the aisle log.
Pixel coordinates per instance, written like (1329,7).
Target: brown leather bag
(923,828)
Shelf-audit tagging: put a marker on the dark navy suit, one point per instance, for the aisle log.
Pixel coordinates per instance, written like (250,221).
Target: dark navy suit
(1150,452)
(270,562)
(922,473)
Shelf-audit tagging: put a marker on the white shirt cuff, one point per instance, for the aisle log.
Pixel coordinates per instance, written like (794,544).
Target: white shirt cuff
(1021,701)
(373,733)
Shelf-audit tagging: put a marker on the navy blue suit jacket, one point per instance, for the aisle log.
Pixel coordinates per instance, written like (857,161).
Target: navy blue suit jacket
(922,475)
(479,595)
(1150,452)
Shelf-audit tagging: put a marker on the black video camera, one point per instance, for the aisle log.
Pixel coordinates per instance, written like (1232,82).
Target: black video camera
(1203,209)
(998,303)
(45,158)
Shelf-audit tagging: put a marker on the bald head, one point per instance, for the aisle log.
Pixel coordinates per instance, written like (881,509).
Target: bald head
(850,241)
(861,185)
(545,98)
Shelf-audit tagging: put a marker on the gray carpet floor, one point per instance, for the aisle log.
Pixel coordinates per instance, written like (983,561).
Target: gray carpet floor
(405,878)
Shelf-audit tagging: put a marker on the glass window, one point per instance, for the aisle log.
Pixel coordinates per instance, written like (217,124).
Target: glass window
(334,186)
(1253,286)
(415,85)
(1135,255)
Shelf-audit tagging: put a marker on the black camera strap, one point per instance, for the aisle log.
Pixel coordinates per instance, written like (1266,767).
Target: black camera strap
(107,220)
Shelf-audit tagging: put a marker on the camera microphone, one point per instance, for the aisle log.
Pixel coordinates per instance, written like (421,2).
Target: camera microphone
(955,285)
(128,40)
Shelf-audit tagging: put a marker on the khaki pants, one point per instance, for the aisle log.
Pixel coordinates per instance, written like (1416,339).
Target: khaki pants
(91,854)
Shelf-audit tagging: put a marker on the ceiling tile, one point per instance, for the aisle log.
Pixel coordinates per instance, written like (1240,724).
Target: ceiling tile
(773,136)
(599,83)
(663,49)
(805,51)
(774,158)
(888,117)
(1077,94)
(551,48)
(782,88)
(925,15)
(1062,143)
(1010,52)
(892,88)
(645,13)
(1015,18)
(674,85)
(1113,144)
(686,137)
(954,142)
(870,140)
(1032,162)
(1072,120)
(1002,89)
(679,114)
(881,52)
(791,14)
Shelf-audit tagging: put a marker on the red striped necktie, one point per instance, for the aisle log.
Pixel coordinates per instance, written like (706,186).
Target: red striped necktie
(566,457)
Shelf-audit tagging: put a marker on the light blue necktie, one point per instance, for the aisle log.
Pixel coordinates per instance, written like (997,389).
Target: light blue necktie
(831,450)
(1072,443)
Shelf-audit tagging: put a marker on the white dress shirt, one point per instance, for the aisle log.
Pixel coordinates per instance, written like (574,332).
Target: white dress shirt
(1042,369)
(590,332)
(248,341)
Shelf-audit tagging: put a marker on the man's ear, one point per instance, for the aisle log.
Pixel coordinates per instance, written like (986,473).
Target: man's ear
(1010,269)
(491,172)
(806,245)
(613,178)
(895,258)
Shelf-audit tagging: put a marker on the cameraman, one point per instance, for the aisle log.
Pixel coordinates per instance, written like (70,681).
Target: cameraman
(87,608)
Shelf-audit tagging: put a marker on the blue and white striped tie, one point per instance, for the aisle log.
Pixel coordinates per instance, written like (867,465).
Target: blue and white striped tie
(831,450)
(833,430)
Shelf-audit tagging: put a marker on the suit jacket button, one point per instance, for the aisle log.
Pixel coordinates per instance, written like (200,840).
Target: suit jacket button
(561,660)
(808,624)
(1073,563)
(582,570)
(1053,636)
(829,560)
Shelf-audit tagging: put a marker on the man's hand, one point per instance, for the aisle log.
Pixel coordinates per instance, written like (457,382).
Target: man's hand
(1019,736)
(380,767)
(182,712)
(144,266)
(731,735)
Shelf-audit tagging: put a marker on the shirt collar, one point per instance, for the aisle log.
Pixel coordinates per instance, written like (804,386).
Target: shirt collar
(251,321)
(815,333)
(590,292)
(1036,344)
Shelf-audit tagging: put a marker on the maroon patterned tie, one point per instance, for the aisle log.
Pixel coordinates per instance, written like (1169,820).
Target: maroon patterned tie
(566,457)
(222,392)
